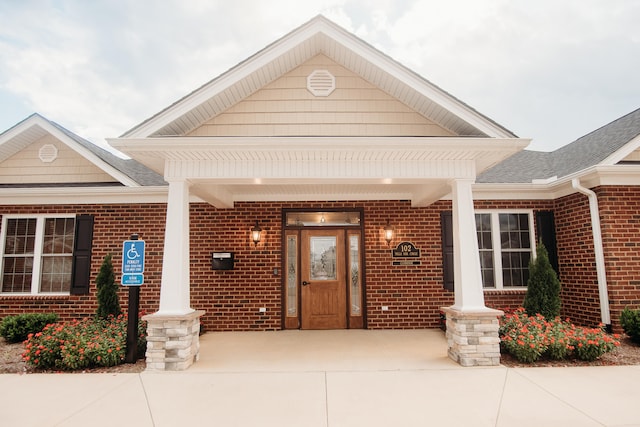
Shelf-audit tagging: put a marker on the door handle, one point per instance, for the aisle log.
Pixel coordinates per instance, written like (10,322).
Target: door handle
(305,283)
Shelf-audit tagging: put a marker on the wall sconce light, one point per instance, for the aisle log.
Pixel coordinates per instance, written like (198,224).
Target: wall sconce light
(256,233)
(388,233)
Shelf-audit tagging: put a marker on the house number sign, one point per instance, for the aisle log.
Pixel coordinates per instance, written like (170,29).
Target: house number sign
(405,253)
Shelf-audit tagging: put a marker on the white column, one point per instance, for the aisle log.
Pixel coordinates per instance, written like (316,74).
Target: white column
(174,288)
(469,295)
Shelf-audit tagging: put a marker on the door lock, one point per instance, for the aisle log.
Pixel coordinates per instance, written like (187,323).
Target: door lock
(305,283)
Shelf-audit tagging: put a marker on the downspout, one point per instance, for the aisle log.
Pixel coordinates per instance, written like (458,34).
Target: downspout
(599,251)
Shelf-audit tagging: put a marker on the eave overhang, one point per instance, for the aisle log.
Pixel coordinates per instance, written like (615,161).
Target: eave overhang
(318,36)
(223,170)
(600,175)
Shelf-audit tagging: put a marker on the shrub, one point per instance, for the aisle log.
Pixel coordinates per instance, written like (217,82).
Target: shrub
(17,328)
(630,322)
(589,344)
(523,336)
(559,335)
(528,338)
(108,304)
(79,344)
(543,286)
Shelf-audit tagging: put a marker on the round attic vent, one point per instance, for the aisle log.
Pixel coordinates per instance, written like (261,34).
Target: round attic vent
(321,83)
(48,153)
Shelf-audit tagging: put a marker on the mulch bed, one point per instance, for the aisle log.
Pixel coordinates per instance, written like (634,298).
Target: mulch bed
(11,363)
(627,353)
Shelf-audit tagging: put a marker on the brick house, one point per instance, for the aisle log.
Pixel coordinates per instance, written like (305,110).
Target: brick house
(319,184)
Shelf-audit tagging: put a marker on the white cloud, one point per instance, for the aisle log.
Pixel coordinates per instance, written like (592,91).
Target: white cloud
(548,70)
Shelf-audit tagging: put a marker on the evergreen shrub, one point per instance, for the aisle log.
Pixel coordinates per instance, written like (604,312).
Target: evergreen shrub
(16,328)
(108,303)
(630,322)
(543,286)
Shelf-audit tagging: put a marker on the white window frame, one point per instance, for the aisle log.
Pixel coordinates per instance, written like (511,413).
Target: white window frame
(497,247)
(37,250)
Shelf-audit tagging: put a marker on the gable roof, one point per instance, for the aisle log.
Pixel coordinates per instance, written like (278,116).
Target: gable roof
(128,172)
(318,36)
(596,148)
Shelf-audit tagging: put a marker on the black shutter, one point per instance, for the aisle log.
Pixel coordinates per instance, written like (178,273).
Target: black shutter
(546,225)
(446,222)
(82,246)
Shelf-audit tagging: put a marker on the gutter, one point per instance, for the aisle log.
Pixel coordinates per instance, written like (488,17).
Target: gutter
(603,291)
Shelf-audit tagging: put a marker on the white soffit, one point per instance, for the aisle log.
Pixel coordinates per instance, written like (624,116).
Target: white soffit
(318,36)
(268,152)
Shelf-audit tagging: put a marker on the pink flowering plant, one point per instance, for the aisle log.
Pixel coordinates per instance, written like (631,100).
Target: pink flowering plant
(529,338)
(80,344)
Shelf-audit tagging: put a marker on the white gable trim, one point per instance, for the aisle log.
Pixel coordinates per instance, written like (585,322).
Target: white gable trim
(310,35)
(622,152)
(13,136)
(83,195)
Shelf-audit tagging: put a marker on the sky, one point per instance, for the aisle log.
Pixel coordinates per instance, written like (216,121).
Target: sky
(550,70)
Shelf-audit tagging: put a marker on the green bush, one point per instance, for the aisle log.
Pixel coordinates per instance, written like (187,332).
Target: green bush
(543,286)
(523,336)
(17,328)
(630,322)
(108,303)
(80,344)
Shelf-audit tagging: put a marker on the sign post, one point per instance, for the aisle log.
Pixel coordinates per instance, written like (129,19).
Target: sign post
(133,277)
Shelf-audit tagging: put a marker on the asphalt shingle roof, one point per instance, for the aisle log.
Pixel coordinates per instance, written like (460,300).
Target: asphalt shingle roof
(581,154)
(133,169)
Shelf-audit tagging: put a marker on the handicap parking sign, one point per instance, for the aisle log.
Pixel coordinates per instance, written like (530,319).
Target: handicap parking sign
(132,262)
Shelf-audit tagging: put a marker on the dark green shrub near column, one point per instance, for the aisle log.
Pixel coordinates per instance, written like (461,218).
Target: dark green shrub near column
(17,328)
(630,322)
(543,287)
(108,303)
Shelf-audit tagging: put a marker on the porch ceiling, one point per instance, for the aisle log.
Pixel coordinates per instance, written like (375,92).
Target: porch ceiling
(223,170)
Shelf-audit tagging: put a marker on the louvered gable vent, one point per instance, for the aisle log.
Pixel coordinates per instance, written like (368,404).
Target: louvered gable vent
(321,83)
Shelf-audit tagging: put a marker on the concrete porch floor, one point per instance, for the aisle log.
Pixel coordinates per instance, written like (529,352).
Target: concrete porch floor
(327,379)
(334,350)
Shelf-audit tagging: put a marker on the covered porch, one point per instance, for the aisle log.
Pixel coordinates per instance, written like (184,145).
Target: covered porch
(328,350)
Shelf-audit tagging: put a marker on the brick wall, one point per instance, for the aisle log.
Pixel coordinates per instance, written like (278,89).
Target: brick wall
(620,225)
(576,260)
(413,294)
(112,225)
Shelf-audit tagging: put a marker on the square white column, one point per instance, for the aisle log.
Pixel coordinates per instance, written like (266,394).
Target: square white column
(174,288)
(469,294)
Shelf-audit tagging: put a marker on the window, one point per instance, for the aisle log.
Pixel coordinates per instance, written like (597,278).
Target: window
(505,245)
(37,254)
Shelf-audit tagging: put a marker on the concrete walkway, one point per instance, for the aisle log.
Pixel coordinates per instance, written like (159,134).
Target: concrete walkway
(327,378)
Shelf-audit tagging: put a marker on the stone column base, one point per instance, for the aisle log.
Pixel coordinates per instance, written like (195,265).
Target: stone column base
(473,336)
(173,341)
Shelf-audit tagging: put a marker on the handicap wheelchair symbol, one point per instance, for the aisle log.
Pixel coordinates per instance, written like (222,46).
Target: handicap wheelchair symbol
(132,253)
(133,257)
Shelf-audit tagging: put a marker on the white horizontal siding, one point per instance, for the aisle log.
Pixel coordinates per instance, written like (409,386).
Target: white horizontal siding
(286,108)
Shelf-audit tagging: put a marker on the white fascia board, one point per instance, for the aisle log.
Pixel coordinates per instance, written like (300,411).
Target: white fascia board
(91,157)
(328,143)
(622,152)
(221,83)
(290,41)
(82,195)
(420,84)
(46,126)
(621,175)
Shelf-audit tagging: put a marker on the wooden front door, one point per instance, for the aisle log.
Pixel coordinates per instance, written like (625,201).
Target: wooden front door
(323,279)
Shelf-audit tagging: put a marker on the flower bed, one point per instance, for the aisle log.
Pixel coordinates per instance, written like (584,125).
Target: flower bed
(81,344)
(530,338)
